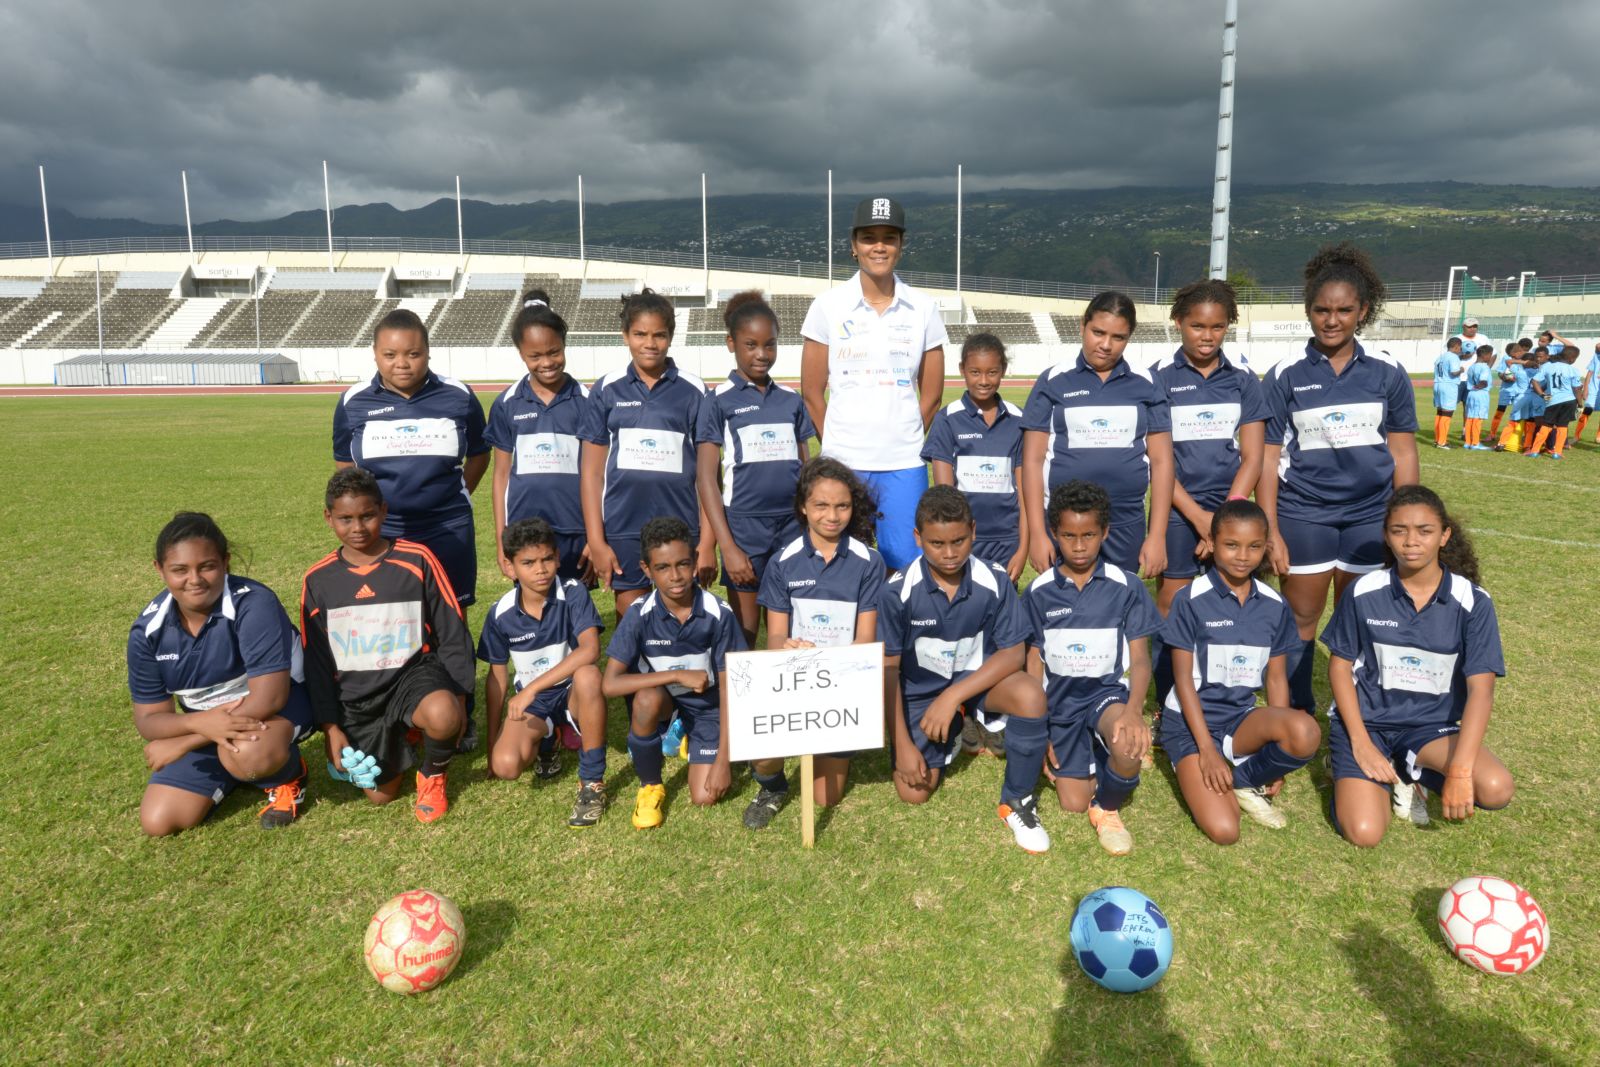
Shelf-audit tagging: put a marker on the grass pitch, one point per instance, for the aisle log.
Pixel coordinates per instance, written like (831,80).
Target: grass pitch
(907,936)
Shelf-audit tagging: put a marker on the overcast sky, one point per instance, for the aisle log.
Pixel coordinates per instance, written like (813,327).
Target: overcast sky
(114,99)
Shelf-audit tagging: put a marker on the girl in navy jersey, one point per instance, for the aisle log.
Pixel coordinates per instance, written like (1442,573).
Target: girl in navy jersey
(1229,634)
(1414,652)
(975,444)
(214,669)
(822,589)
(638,452)
(1341,436)
(758,430)
(533,429)
(1100,420)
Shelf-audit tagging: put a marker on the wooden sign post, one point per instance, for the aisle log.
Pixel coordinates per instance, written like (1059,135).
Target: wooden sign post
(802,701)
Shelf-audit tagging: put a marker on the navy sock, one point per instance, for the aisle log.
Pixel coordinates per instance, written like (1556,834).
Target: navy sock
(772,783)
(1163,670)
(1026,740)
(436,755)
(592,764)
(1302,666)
(287,773)
(1266,764)
(547,743)
(1113,790)
(1430,779)
(646,755)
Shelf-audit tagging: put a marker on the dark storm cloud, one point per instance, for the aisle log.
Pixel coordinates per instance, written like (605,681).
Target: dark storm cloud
(115,99)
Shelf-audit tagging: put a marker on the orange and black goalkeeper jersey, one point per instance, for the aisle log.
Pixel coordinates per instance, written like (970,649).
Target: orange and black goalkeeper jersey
(361,626)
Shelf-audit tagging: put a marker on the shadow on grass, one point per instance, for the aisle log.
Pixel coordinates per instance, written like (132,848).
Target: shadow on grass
(1096,1026)
(1423,1028)
(489,923)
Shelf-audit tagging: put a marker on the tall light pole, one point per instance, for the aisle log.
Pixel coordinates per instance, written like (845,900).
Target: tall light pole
(705,241)
(461,234)
(1156,290)
(830,225)
(44,206)
(581,255)
(188,223)
(1449,290)
(958,231)
(1222,194)
(327,207)
(1522,281)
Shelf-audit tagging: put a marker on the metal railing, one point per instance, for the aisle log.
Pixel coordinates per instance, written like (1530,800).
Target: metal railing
(1403,292)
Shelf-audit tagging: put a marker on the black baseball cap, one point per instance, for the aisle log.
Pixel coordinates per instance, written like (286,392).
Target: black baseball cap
(879,211)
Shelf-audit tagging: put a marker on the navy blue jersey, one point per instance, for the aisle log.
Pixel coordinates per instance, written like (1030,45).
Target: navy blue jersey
(760,434)
(1206,416)
(650,639)
(248,634)
(823,597)
(1082,635)
(533,646)
(415,446)
(1097,428)
(985,459)
(1411,667)
(650,468)
(1334,431)
(941,640)
(542,440)
(1231,642)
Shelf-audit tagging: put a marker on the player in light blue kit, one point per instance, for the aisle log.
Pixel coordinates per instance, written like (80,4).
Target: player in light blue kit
(1447,371)
(1479,379)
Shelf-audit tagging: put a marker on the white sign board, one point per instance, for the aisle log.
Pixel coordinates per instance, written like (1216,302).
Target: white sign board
(424,274)
(1280,329)
(804,701)
(212,272)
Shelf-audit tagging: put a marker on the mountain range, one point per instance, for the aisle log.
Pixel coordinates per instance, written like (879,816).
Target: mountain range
(1415,231)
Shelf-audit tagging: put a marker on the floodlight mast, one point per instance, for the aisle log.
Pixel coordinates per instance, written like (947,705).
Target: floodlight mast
(581,256)
(327,207)
(188,222)
(1222,194)
(958,231)
(44,206)
(830,225)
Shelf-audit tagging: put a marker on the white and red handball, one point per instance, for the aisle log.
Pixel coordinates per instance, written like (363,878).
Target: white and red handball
(1494,925)
(414,941)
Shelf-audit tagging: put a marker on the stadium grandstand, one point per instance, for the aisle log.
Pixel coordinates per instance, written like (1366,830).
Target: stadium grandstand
(133,297)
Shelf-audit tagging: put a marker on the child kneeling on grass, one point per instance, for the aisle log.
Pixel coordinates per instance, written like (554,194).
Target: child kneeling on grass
(1090,645)
(1231,634)
(954,639)
(387,651)
(1414,651)
(670,649)
(549,631)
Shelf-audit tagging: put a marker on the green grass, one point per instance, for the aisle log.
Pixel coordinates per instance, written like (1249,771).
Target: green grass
(907,936)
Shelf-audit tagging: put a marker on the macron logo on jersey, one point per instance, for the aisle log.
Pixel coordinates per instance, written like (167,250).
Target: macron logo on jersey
(163,657)
(1075,392)
(381,411)
(1382,622)
(799,582)
(1057,612)
(525,415)
(747,408)
(1219,622)
(628,404)
(969,437)
(1305,388)
(657,641)
(1182,388)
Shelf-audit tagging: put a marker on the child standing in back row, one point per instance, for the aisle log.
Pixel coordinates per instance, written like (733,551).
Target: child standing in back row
(1447,370)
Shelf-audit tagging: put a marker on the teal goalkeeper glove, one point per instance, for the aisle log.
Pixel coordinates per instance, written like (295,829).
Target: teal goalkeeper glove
(362,770)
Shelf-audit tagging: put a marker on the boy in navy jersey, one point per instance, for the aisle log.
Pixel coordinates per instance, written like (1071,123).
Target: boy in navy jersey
(1090,645)
(386,650)
(670,649)
(954,637)
(547,629)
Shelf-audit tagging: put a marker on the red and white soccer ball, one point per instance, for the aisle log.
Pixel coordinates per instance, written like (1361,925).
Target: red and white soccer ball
(414,941)
(1494,925)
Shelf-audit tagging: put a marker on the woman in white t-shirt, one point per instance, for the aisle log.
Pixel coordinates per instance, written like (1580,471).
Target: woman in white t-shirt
(872,374)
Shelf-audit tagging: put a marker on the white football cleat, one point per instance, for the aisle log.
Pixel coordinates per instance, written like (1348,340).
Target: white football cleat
(1256,804)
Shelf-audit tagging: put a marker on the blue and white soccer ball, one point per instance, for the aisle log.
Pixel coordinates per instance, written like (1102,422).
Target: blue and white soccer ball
(1121,939)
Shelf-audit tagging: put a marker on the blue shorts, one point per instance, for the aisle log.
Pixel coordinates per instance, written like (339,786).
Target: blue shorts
(569,552)
(1400,744)
(937,756)
(1177,741)
(201,771)
(898,493)
(1075,739)
(759,536)
(999,550)
(457,551)
(551,706)
(703,729)
(1446,399)
(1478,404)
(1182,540)
(1314,547)
(632,576)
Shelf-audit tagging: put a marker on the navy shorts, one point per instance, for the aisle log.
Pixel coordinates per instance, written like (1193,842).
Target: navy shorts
(937,756)
(569,553)
(1399,743)
(759,537)
(457,551)
(1076,740)
(1182,540)
(703,729)
(1126,537)
(1314,547)
(551,706)
(632,576)
(201,771)
(1177,741)
(998,551)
